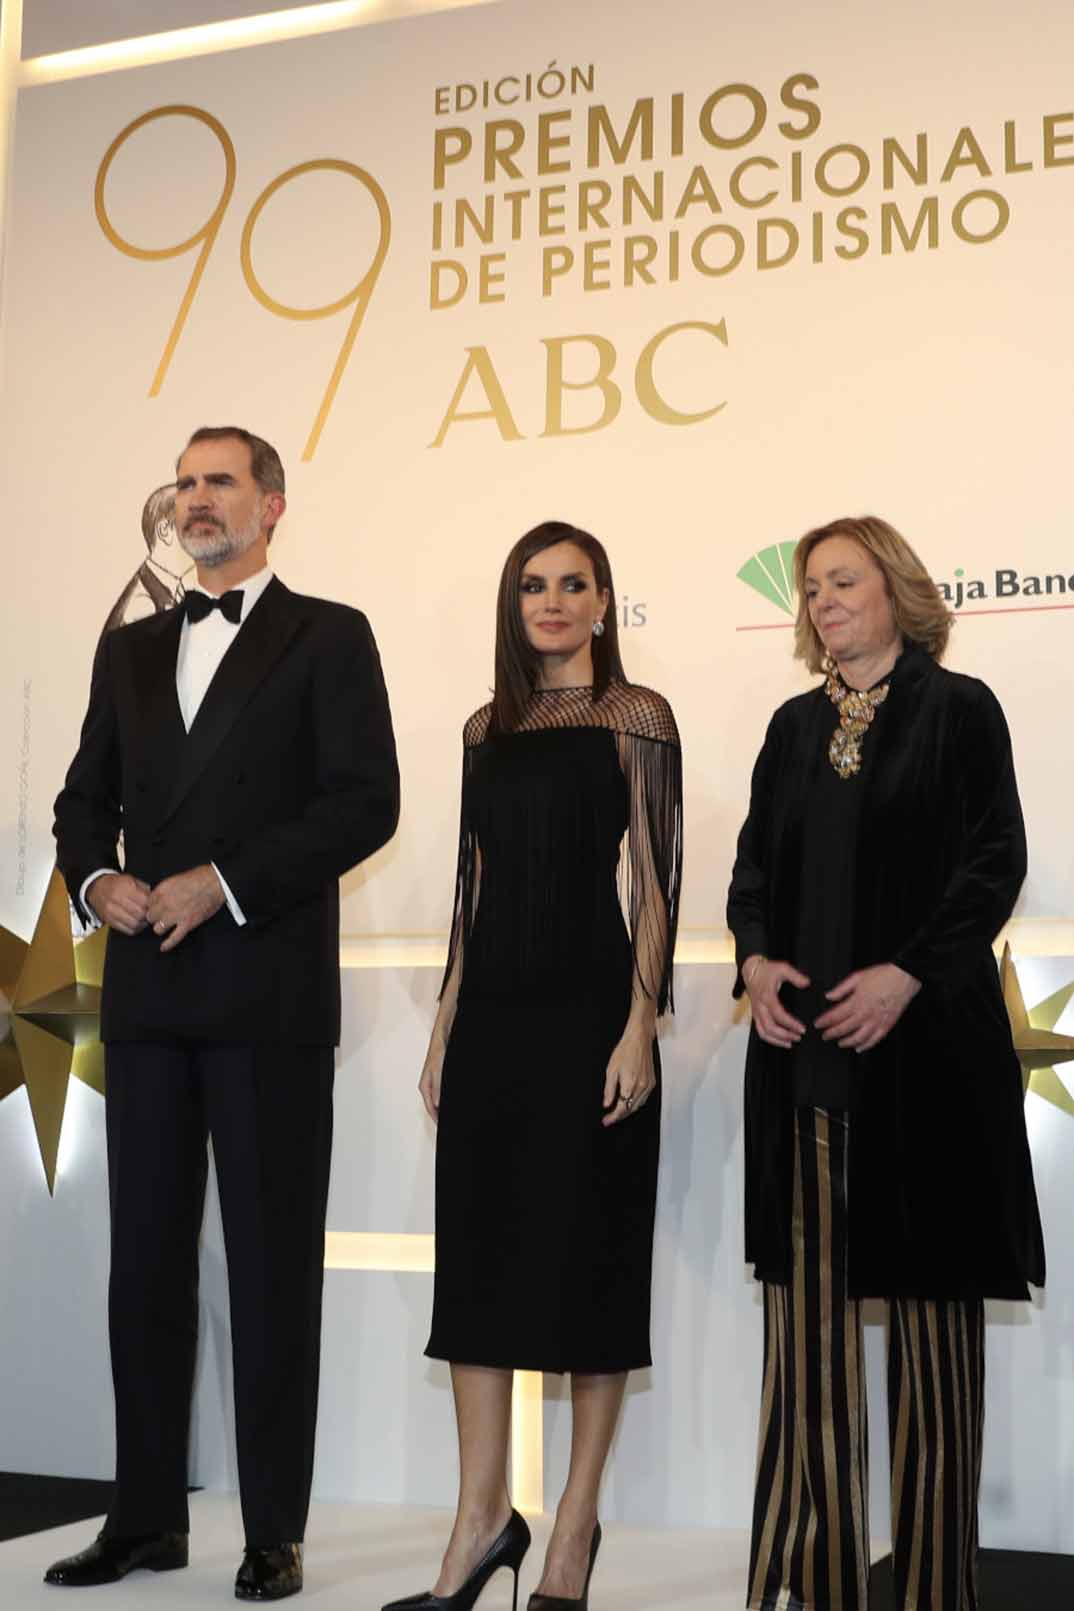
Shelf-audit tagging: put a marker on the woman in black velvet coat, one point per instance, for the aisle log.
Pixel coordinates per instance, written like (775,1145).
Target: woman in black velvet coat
(886,1149)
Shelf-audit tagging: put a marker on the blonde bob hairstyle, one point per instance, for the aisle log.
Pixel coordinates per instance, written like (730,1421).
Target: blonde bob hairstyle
(921,615)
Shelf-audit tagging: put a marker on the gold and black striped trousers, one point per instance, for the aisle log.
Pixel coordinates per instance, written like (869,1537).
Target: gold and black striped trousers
(810,1543)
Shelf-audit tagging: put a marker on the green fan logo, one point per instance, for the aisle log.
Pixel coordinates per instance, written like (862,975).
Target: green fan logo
(770,572)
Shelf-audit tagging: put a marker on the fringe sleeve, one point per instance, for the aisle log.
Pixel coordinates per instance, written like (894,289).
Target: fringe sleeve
(652,766)
(468,870)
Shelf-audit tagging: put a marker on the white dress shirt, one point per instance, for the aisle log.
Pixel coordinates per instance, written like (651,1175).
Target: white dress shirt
(202,646)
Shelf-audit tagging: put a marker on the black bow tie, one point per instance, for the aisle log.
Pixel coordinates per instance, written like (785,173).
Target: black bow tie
(199,605)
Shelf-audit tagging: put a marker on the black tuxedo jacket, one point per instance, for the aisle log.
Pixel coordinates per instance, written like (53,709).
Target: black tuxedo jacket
(286,779)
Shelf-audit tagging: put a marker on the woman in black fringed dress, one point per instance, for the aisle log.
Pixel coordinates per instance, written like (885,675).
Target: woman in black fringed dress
(543,1070)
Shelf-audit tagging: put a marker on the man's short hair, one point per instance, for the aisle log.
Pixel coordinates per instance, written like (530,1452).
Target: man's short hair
(265,465)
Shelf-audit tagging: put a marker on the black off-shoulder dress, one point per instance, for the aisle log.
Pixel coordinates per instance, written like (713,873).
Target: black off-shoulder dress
(544,1218)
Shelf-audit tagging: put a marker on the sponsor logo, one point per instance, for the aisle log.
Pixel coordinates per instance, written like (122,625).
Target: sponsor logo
(1013,589)
(770,572)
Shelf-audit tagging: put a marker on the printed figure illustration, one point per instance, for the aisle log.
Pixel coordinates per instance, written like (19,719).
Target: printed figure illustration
(156,585)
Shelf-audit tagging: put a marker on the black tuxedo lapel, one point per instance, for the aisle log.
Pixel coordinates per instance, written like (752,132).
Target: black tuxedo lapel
(151,673)
(259,643)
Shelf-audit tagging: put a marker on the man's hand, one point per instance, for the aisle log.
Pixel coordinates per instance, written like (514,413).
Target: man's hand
(181,904)
(119,900)
(868,1005)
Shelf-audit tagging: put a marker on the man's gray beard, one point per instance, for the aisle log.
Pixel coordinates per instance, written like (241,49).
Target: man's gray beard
(221,546)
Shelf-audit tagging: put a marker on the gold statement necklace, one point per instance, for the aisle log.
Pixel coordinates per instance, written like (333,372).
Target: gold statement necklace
(856,711)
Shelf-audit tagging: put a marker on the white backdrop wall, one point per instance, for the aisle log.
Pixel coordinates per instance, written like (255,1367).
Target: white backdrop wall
(912,357)
(930,385)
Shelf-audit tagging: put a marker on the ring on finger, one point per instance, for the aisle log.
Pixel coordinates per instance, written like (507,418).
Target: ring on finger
(627,1101)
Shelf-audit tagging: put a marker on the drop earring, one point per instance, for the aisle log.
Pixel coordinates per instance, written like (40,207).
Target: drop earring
(598,629)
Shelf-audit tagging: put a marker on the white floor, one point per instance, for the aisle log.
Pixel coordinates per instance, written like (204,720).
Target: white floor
(358,1557)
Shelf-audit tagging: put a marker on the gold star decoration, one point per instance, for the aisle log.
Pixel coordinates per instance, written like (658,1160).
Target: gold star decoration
(50,994)
(1038,1047)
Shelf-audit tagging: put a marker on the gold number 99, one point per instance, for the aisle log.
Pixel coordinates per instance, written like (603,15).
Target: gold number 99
(206,234)
(358,297)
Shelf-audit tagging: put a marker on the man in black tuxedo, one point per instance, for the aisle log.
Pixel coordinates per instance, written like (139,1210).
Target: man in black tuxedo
(243,744)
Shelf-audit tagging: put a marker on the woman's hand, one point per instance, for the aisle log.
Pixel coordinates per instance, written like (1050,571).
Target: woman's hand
(868,1005)
(429,1084)
(763,980)
(631,1077)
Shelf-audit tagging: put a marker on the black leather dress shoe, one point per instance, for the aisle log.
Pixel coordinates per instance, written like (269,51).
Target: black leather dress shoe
(108,1559)
(270,1573)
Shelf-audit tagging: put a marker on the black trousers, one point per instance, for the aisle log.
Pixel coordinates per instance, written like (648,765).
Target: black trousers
(810,1545)
(268,1112)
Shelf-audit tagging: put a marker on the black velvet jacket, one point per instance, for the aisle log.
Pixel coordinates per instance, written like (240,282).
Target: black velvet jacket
(942,1202)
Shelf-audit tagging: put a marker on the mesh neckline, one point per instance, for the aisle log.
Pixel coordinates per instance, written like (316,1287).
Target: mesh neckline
(628,709)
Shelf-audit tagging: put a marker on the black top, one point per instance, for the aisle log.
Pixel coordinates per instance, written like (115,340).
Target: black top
(518,917)
(821,1070)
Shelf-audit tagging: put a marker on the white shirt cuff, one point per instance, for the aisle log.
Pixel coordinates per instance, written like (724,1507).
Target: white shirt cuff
(91,922)
(232,904)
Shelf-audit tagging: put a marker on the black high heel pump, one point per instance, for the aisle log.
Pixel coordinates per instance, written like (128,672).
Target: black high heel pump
(508,1550)
(558,1602)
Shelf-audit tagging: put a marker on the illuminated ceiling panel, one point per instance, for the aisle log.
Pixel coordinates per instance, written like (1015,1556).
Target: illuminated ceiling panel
(54,25)
(251,28)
